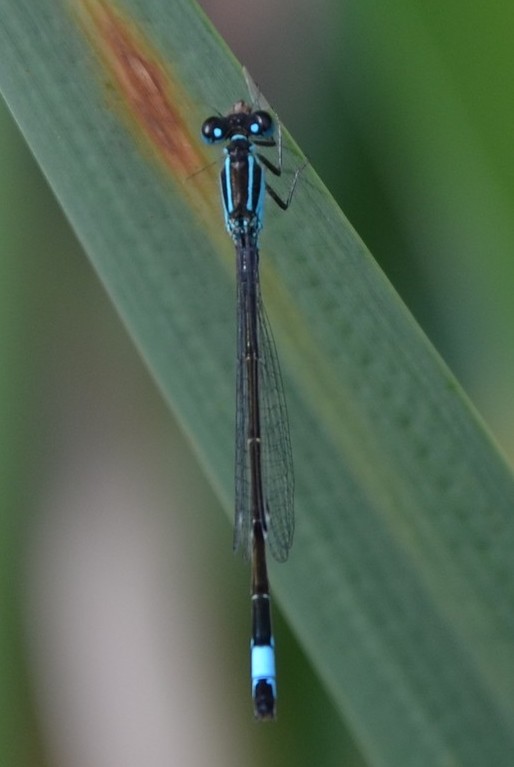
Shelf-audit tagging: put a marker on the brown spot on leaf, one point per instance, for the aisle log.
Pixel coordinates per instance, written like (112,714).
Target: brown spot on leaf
(157,109)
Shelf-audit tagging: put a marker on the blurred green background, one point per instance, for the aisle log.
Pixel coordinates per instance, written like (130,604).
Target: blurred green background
(404,110)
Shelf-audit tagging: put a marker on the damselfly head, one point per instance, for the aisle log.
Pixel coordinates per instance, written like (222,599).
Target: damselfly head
(240,122)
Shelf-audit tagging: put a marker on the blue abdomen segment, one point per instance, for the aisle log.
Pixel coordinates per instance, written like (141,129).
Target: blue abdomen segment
(263,665)
(264,686)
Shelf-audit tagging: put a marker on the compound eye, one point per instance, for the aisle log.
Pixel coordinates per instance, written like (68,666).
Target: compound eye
(261,124)
(214,129)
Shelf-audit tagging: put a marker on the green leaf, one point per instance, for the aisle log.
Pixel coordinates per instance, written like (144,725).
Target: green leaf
(400,583)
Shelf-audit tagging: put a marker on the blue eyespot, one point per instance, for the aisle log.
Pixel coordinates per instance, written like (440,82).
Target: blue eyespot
(214,129)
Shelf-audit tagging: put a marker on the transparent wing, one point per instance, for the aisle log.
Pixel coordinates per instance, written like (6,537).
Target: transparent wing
(243,515)
(257,99)
(275,446)
(276,455)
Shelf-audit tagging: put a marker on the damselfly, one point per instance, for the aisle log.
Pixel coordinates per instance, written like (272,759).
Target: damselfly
(264,468)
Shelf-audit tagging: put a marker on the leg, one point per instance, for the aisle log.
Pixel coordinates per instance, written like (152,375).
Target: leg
(277,169)
(284,204)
